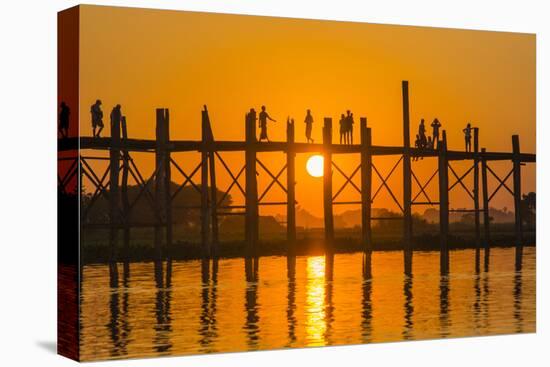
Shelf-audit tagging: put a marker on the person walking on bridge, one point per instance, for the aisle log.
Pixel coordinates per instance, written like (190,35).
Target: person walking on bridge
(64,116)
(309,126)
(97,118)
(422,134)
(468,137)
(264,116)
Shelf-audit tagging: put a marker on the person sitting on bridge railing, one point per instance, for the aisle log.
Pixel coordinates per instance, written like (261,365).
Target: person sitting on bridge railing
(97,118)
(264,116)
(468,137)
(64,116)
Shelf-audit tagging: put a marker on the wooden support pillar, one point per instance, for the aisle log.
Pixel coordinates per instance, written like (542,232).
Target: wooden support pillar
(517,200)
(486,218)
(476,196)
(407,181)
(443,204)
(205,216)
(251,199)
(125,199)
(167,181)
(160,179)
(366,193)
(366,185)
(327,184)
(114,199)
(213,200)
(291,188)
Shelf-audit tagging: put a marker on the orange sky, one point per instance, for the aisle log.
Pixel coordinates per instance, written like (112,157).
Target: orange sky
(145,59)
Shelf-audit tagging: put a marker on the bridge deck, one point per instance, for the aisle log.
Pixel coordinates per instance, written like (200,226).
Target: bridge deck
(142,145)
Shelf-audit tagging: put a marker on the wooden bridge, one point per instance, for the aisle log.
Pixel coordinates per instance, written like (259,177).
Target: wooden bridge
(156,188)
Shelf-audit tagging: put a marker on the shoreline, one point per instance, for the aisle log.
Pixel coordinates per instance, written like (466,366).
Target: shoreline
(98,254)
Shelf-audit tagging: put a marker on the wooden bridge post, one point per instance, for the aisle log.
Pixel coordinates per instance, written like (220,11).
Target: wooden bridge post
(485,193)
(160,179)
(517,199)
(291,188)
(443,204)
(167,181)
(213,200)
(114,199)
(476,195)
(327,183)
(407,181)
(125,198)
(366,193)
(205,216)
(366,184)
(251,199)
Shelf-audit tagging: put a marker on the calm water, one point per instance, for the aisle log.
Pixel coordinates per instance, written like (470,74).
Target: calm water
(216,310)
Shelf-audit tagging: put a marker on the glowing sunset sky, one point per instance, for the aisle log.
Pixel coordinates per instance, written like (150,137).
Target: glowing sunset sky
(144,59)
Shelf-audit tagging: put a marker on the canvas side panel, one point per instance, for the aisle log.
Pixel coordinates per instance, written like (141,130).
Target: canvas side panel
(68,192)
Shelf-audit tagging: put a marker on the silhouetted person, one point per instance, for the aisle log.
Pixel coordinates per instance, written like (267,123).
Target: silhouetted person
(417,144)
(343,123)
(422,133)
(264,116)
(350,128)
(116,116)
(435,131)
(430,144)
(468,137)
(64,116)
(97,118)
(309,126)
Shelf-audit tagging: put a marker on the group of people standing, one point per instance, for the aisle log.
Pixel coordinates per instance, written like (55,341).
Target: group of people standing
(428,142)
(346,128)
(432,142)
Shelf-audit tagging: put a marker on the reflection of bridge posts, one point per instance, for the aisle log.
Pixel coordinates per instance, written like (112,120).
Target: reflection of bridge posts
(291,299)
(476,196)
(251,199)
(291,189)
(366,188)
(486,218)
(205,217)
(407,184)
(327,183)
(443,204)
(125,200)
(114,198)
(517,200)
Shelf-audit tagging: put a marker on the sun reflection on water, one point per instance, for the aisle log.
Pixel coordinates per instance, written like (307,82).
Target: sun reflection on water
(315,301)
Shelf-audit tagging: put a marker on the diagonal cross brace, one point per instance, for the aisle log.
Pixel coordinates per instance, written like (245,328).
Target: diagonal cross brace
(385,184)
(459,180)
(423,187)
(348,180)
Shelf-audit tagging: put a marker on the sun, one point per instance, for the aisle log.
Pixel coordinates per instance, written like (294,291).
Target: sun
(314,166)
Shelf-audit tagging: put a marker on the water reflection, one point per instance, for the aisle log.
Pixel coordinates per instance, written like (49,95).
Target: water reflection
(291,300)
(315,301)
(206,306)
(251,326)
(208,329)
(408,306)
